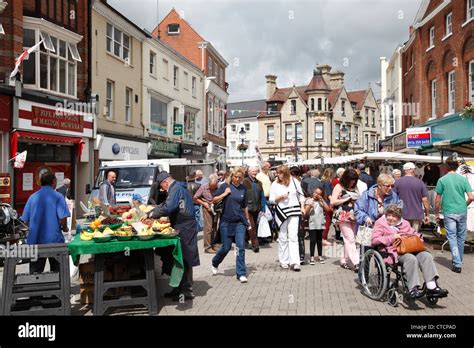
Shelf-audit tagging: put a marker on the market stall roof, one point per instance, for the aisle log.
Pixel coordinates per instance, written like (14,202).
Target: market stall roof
(463,146)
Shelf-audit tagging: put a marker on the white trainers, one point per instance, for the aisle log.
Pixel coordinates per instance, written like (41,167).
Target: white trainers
(243,279)
(214,270)
(296,267)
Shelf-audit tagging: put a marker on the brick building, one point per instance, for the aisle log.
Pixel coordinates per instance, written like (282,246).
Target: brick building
(438,61)
(47,102)
(177,33)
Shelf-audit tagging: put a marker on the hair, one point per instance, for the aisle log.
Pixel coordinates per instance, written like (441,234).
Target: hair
(213,178)
(47,179)
(286,175)
(396,171)
(328,174)
(253,168)
(314,172)
(394,210)
(348,176)
(323,193)
(199,171)
(385,179)
(234,171)
(295,171)
(361,166)
(451,164)
(340,171)
(67,181)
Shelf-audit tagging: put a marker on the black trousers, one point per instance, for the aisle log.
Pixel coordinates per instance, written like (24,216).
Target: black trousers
(303,223)
(316,238)
(38,266)
(186,285)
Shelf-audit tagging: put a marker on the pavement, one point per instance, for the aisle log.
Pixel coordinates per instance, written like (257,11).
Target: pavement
(321,289)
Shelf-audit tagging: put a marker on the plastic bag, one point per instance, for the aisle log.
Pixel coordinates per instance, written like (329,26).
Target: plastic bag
(263,229)
(268,213)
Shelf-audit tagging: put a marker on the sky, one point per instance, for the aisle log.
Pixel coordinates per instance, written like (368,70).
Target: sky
(288,38)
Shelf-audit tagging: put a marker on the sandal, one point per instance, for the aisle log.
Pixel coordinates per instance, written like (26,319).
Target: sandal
(345,266)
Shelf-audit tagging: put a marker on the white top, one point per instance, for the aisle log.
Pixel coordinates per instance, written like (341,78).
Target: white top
(277,190)
(316,219)
(361,186)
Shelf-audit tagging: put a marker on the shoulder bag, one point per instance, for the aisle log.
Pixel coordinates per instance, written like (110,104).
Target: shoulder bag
(409,244)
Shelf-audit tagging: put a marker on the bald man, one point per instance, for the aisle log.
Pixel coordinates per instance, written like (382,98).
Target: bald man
(255,204)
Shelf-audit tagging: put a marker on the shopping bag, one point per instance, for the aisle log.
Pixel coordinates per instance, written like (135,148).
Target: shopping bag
(263,229)
(268,213)
(364,236)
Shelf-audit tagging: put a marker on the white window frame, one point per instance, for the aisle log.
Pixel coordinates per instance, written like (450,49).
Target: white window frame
(343,108)
(349,133)
(165,69)
(373,118)
(293,107)
(128,104)
(173,32)
(366,117)
(469,9)
(247,127)
(366,142)
(210,66)
(175,77)
(391,119)
(193,85)
(433,97)
(319,133)
(109,99)
(185,80)
(299,132)
(270,133)
(449,24)
(288,132)
(451,91)
(432,37)
(233,128)
(121,43)
(356,134)
(337,134)
(152,63)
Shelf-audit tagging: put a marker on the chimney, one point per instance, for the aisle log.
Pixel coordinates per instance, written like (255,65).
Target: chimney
(325,70)
(271,85)
(337,80)
(411,30)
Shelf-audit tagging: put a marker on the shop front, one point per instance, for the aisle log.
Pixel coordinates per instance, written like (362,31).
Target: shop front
(193,152)
(55,140)
(121,149)
(163,149)
(217,153)
(5,126)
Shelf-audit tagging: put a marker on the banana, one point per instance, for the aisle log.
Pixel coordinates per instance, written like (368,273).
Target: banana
(86,237)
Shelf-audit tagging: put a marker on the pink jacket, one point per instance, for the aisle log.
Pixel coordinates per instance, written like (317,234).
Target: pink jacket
(383,237)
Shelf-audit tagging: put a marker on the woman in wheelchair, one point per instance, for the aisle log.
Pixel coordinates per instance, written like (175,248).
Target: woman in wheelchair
(389,228)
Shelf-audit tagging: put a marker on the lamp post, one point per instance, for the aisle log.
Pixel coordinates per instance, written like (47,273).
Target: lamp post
(344,132)
(242,145)
(296,141)
(320,154)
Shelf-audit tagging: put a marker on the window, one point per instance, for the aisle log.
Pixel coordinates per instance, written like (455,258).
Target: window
(432,38)
(293,107)
(175,116)
(118,43)
(433,99)
(299,131)
(128,105)
(158,116)
(449,24)
(270,134)
(233,128)
(373,118)
(372,142)
(366,142)
(210,115)
(288,132)
(353,105)
(312,104)
(109,101)
(173,29)
(210,66)
(349,133)
(193,86)
(337,127)
(189,123)
(356,134)
(54,66)
(233,145)
(271,108)
(451,91)
(165,69)
(247,127)
(320,104)
(176,77)
(343,107)
(216,72)
(318,131)
(471,81)
(221,76)
(470,9)
(391,119)
(185,81)
(152,63)
(366,117)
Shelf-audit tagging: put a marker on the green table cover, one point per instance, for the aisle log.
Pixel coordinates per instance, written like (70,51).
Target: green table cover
(81,247)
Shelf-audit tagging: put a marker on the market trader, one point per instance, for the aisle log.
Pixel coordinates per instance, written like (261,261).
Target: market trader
(46,213)
(107,189)
(180,209)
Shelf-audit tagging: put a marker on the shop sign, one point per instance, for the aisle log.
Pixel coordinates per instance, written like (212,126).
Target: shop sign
(49,118)
(5,188)
(121,149)
(417,137)
(193,152)
(399,142)
(164,149)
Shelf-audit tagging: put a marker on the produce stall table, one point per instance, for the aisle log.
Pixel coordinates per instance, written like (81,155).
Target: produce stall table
(100,250)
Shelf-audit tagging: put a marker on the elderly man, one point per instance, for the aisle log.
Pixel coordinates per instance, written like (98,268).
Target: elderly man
(179,207)
(65,190)
(200,179)
(107,189)
(255,204)
(412,191)
(204,196)
(264,176)
(311,183)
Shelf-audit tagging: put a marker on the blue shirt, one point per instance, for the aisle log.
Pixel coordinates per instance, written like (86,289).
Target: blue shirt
(234,204)
(43,211)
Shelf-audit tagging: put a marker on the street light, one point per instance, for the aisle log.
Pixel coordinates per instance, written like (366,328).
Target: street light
(296,140)
(344,132)
(320,154)
(243,146)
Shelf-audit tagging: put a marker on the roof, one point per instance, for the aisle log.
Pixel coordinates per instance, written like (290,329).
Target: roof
(105,3)
(357,97)
(332,97)
(249,109)
(317,83)
(282,94)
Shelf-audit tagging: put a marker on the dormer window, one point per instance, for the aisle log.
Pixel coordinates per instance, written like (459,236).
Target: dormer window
(173,29)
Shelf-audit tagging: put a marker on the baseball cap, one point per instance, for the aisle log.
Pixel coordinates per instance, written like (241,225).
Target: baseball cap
(162,176)
(409,166)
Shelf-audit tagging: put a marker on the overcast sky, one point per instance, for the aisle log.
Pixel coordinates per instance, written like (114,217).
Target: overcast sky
(289,37)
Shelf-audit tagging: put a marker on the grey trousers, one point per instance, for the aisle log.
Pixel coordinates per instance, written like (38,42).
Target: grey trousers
(411,263)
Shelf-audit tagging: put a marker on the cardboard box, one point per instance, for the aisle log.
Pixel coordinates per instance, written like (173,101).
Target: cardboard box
(86,294)
(87,273)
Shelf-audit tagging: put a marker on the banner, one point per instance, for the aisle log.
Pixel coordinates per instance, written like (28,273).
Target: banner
(20,160)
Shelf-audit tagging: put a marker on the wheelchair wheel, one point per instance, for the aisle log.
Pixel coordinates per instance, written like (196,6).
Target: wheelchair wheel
(392,297)
(432,300)
(374,277)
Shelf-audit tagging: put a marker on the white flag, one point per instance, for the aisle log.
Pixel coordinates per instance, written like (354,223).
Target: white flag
(20,160)
(23,56)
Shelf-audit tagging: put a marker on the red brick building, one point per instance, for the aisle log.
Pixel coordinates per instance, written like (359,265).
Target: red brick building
(438,61)
(49,114)
(176,32)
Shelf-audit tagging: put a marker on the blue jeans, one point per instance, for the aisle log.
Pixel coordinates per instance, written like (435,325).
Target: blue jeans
(226,245)
(197,217)
(456,233)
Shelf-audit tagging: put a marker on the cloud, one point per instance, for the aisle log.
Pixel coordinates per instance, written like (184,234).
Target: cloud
(288,38)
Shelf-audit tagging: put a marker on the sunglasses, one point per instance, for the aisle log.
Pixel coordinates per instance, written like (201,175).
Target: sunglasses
(391,186)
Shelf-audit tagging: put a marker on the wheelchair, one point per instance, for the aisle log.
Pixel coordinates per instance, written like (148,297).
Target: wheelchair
(375,276)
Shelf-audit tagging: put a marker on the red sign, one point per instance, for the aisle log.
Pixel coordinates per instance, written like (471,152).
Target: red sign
(57,119)
(5,188)
(5,112)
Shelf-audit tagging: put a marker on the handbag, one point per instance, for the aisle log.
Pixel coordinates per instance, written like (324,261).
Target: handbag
(219,206)
(364,236)
(409,244)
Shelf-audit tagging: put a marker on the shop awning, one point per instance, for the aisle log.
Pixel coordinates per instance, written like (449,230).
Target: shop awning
(43,138)
(463,146)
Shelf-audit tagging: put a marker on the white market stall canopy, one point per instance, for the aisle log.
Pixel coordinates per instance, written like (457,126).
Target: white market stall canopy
(375,156)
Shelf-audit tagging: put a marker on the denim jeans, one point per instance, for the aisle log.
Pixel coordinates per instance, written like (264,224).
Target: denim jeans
(226,245)
(456,233)
(197,217)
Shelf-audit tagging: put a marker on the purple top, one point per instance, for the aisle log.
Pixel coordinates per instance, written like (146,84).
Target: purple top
(411,190)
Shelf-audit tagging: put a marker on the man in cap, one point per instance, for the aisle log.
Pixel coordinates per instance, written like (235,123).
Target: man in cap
(414,194)
(180,209)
